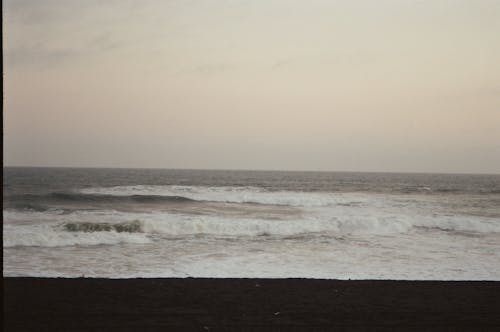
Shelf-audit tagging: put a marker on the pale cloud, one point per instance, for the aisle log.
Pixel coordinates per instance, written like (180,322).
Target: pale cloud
(214,68)
(39,56)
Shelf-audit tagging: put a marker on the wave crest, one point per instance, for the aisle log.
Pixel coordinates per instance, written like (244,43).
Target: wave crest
(34,202)
(239,195)
(127,227)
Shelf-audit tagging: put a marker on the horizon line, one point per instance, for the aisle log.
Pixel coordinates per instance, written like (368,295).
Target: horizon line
(251,170)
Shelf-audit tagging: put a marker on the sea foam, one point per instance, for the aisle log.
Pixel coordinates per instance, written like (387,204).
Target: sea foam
(228,194)
(112,227)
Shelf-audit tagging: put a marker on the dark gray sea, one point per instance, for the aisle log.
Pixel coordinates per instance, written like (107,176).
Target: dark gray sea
(120,223)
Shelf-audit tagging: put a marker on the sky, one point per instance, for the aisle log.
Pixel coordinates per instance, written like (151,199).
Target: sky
(392,86)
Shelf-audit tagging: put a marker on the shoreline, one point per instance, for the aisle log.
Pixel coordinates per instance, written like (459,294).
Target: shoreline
(198,304)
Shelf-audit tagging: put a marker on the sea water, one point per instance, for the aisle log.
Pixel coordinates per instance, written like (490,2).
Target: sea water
(122,223)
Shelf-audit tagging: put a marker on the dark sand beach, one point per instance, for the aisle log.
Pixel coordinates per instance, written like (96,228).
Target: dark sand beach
(33,304)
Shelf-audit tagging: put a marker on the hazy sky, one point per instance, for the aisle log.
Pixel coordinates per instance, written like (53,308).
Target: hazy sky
(246,84)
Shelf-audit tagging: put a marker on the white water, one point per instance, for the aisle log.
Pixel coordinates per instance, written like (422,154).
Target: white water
(237,195)
(418,256)
(47,228)
(333,235)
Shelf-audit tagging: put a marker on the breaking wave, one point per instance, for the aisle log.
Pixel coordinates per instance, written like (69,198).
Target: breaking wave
(52,236)
(127,227)
(37,202)
(240,195)
(112,227)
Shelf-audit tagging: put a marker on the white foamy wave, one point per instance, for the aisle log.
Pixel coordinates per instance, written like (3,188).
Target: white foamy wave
(461,224)
(219,227)
(237,195)
(331,222)
(51,229)
(50,236)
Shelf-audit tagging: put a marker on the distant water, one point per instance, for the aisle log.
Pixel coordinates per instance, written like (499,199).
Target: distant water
(121,223)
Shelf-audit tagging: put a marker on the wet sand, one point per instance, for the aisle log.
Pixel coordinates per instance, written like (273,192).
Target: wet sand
(33,304)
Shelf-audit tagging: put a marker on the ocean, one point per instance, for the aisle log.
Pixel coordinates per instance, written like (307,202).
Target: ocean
(127,223)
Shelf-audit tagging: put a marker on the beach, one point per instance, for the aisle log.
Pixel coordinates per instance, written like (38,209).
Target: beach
(86,304)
